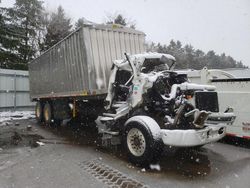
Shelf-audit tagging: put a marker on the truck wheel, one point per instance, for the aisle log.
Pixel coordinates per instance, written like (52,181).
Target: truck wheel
(57,122)
(197,147)
(142,140)
(47,114)
(39,112)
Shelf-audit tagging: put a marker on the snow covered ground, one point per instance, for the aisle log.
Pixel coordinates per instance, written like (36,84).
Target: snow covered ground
(16,115)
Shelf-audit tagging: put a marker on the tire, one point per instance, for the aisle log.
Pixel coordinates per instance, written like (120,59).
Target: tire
(142,147)
(197,147)
(39,112)
(47,114)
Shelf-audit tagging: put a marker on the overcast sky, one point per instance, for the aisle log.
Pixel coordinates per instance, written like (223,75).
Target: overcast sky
(219,25)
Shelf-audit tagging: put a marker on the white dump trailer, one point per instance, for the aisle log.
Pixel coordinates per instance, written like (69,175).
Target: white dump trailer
(80,64)
(233,88)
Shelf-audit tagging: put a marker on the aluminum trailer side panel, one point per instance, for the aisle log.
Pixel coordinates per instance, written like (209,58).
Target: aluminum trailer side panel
(80,64)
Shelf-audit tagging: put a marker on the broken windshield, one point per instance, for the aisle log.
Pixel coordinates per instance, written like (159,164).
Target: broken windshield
(155,65)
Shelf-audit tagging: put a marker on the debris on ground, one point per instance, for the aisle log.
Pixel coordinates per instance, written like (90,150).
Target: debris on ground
(16,135)
(29,127)
(155,167)
(16,138)
(40,143)
(15,115)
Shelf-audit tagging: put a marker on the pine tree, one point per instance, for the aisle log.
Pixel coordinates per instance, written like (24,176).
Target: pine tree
(59,26)
(189,58)
(80,22)
(121,20)
(10,39)
(28,17)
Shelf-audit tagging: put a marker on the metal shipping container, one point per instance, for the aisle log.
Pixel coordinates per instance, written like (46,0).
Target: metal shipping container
(80,64)
(14,90)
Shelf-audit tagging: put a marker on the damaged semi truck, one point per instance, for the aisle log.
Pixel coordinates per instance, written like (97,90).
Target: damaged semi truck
(102,72)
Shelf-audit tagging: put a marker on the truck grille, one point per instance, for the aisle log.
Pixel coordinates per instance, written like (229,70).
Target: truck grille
(207,100)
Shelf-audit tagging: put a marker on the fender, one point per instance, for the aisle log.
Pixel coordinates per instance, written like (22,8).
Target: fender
(149,123)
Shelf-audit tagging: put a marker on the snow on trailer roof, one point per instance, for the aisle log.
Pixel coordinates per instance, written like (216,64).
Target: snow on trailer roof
(153,55)
(114,27)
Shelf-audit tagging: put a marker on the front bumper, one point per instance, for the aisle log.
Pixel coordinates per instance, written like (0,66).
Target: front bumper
(193,137)
(217,118)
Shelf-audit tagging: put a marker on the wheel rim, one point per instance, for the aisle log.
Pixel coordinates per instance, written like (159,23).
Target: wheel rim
(38,111)
(46,114)
(136,142)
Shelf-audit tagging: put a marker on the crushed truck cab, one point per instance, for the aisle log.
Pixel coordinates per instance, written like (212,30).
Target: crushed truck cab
(148,105)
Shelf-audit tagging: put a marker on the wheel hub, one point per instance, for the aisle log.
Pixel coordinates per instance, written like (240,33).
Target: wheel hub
(137,141)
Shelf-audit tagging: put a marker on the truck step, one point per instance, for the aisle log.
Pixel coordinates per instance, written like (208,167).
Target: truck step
(103,118)
(114,133)
(122,109)
(120,102)
(118,105)
(109,115)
